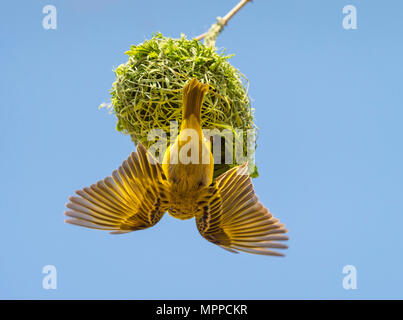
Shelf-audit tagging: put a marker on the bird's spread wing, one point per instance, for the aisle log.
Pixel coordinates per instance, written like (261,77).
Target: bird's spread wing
(135,197)
(232,217)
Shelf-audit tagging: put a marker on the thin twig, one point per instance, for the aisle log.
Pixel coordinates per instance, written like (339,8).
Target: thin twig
(201,37)
(223,21)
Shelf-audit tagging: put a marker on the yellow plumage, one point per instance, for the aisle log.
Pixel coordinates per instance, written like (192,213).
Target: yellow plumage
(136,196)
(187,180)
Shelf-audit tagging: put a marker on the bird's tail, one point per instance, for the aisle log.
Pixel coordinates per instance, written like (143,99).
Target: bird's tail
(193,94)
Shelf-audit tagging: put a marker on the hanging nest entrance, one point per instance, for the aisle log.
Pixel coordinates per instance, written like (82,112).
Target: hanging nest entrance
(147,93)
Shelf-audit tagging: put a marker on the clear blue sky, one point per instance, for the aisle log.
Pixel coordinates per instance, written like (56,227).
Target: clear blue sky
(329,107)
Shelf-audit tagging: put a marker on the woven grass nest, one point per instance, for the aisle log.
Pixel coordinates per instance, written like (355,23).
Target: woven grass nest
(147,92)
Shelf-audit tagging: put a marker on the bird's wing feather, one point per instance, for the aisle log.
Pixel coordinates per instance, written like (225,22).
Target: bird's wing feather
(231,216)
(135,197)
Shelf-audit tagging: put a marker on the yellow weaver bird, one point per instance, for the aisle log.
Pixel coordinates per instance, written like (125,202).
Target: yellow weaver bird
(140,191)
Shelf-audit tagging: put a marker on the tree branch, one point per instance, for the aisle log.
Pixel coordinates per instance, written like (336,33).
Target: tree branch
(211,35)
